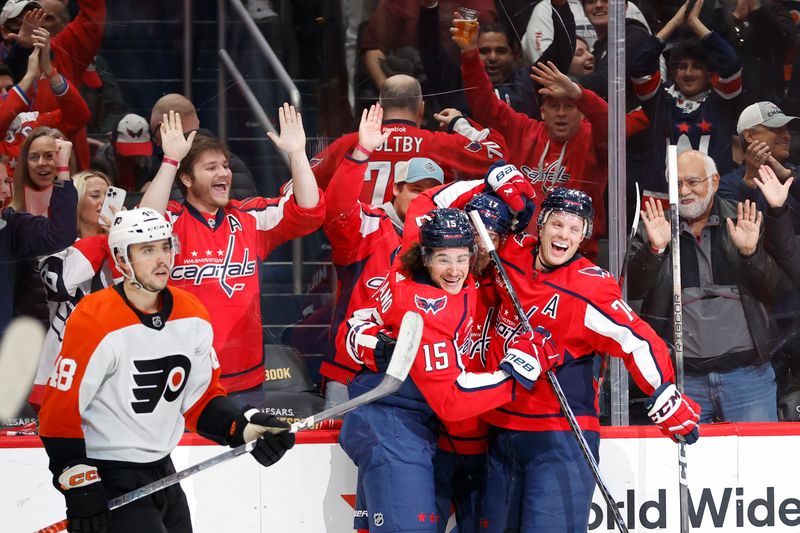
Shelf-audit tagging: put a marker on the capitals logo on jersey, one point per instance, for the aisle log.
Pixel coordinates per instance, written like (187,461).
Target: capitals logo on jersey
(551,176)
(430,305)
(595,271)
(199,267)
(156,378)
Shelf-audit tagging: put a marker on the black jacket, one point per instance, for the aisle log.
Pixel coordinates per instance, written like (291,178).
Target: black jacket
(759,280)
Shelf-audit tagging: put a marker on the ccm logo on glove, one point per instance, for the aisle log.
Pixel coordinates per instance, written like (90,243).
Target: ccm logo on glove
(77,476)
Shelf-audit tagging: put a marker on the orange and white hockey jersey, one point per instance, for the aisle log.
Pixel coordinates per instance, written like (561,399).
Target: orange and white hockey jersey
(126,382)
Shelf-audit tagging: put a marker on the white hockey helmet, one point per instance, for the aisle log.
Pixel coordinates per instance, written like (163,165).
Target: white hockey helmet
(137,226)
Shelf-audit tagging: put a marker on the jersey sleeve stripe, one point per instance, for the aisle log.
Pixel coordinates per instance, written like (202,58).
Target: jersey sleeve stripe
(472,382)
(629,342)
(269,216)
(370,223)
(446,196)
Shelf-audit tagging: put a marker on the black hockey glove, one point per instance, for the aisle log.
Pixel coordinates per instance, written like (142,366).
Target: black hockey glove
(87,503)
(272,434)
(383,351)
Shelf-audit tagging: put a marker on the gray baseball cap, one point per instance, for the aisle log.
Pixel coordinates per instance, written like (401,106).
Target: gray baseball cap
(762,114)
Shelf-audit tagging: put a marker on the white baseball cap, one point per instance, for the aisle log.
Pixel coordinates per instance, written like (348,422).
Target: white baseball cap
(132,136)
(14,8)
(762,114)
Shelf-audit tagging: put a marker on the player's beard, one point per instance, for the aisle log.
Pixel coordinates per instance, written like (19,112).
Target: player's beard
(696,209)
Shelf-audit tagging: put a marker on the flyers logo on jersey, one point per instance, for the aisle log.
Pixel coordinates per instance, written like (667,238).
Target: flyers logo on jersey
(595,271)
(430,305)
(156,378)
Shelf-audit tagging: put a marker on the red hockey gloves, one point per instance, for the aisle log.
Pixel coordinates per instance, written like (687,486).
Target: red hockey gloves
(529,355)
(376,346)
(87,503)
(272,434)
(675,415)
(510,185)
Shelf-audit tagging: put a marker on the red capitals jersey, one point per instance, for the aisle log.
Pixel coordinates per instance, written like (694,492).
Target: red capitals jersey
(471,436)
(466,154)
(580,163)
(218,263)
(438,379)
(364,240)
(582,306)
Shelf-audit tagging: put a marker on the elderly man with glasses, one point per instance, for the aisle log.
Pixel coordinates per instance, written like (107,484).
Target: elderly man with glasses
(728,280)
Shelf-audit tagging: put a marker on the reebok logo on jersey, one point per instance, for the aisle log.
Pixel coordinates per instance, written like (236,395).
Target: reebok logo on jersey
(223,272)
(430,305)
(159,377)
(595,271)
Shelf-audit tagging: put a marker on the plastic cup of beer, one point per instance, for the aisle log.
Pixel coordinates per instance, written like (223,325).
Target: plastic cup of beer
(467,25)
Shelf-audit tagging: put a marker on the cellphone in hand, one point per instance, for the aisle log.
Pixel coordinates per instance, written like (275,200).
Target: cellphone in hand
(115,197)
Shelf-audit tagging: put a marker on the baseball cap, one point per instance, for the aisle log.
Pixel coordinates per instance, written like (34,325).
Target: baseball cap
(420,168)
(762,114)
(132,136)
(14,8)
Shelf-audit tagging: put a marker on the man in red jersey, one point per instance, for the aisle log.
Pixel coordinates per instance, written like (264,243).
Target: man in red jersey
(581,305)
(568,147)
(465,155)
(222,240)
(365,238)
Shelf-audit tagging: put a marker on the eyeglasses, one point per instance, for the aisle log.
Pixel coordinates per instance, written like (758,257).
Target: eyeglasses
(691,182)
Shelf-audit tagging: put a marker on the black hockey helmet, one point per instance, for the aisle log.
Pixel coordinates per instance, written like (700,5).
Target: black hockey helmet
(493,211)
(571,201)
(446,228)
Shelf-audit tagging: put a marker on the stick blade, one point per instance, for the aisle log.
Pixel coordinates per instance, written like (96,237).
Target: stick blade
(405,351)
(20,350)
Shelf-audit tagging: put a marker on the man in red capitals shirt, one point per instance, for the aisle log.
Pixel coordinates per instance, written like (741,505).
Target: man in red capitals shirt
(466,155)
(568,147)
(222,240)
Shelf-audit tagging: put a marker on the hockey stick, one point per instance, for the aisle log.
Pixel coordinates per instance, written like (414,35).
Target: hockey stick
(19,358)
(622,273)
(677,322)
(551,377)
(405,351)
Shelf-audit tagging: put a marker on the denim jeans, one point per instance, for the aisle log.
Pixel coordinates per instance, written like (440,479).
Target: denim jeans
(746,394)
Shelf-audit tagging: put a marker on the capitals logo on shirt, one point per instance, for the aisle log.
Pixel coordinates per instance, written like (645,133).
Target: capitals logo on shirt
(201,266)
(430,305)
(595,271)
(156,378)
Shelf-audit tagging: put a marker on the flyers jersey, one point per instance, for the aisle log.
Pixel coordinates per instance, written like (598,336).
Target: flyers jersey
(126,383)
(582,306)
(464,155)
(438,380)
(218,263)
